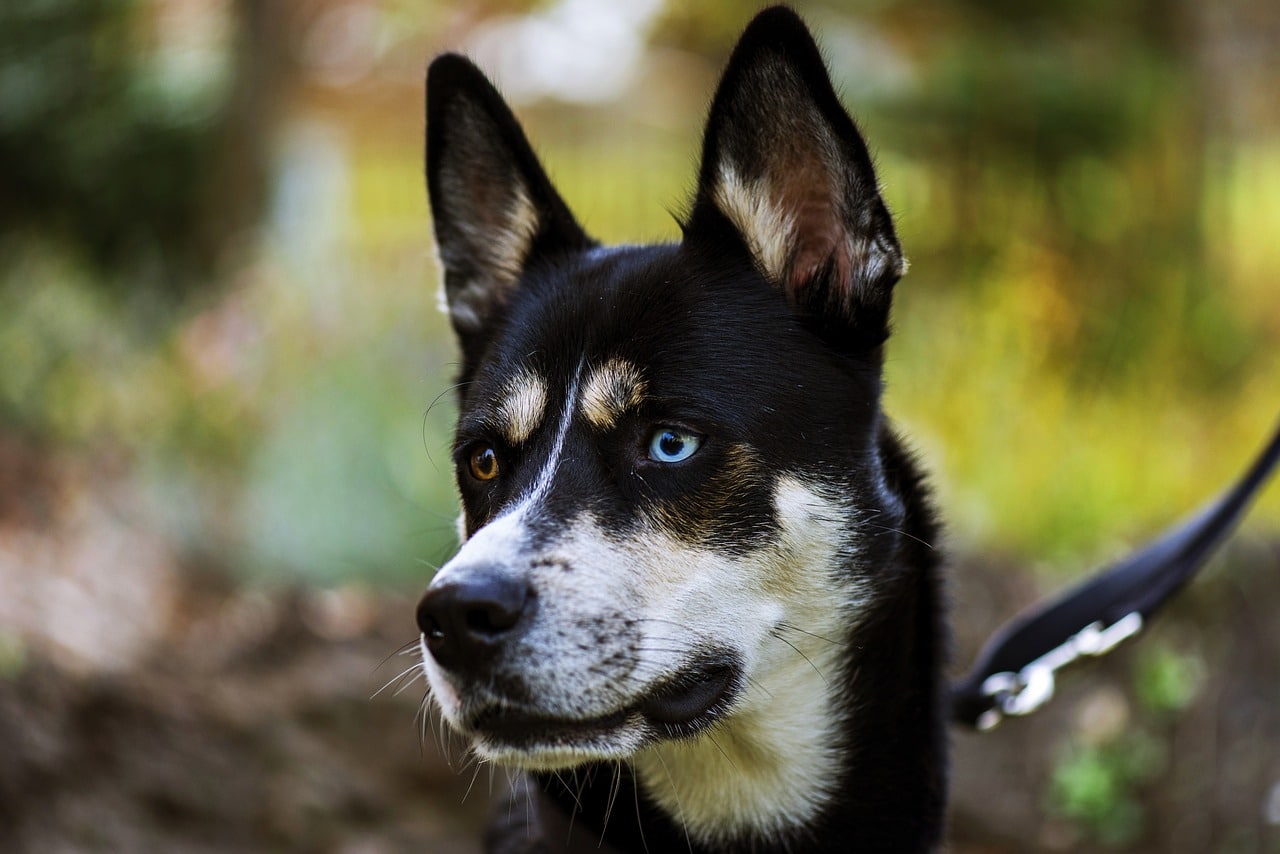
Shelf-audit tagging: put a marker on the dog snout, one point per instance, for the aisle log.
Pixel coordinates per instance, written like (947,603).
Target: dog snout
(467,620)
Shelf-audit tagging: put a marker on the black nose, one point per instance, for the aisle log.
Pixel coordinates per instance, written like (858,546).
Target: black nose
(466,621)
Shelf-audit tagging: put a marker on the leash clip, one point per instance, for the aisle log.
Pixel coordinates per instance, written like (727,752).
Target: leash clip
(1031,687)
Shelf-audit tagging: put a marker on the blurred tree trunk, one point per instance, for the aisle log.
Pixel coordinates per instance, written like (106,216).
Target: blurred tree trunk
(240,181)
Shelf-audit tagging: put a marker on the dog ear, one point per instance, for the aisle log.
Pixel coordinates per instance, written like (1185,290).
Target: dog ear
(493,208)
(784,164)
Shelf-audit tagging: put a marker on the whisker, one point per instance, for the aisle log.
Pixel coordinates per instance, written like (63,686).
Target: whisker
(453,746)
(421,674)
(427,412)
(577,796)
(528,806)
(679,806)
(568,836)
(407,646)
(614,786)
(792,628)
(479,765)
(800,652)
(469,760)
(511,787)
(423,711)
(711,737)
(417,665)
(635,797)
(579,787)
(751,680)
(928,545)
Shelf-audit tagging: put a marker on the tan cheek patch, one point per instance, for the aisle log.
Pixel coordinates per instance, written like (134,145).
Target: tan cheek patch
(523,406)
(610,391)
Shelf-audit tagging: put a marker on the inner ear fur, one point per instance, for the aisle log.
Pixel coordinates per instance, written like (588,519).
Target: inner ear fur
(784,163)
(493,208)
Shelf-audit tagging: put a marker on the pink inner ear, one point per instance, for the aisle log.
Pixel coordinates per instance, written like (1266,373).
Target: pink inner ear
(819,240)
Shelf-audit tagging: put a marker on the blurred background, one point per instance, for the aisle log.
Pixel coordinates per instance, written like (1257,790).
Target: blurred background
(225,407)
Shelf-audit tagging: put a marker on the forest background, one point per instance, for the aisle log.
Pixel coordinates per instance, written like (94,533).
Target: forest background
(225,386)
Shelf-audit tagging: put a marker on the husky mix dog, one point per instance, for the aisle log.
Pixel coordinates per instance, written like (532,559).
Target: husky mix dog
(695,605)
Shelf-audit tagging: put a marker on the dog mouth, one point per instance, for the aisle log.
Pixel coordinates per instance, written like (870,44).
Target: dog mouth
(693,700)
(679,707)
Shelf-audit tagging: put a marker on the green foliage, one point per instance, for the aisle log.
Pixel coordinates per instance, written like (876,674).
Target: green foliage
(13,656)
(1096,787)
(76,369)
(104,146)
(1166,680)
(341,485)
(1099,779)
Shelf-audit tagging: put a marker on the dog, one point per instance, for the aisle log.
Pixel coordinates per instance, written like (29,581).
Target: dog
(696,604)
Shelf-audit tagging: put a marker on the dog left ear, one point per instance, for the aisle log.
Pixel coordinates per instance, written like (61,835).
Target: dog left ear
(784,164)
(494,209)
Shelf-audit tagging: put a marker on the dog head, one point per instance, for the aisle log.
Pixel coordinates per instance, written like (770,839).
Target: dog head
(664,452)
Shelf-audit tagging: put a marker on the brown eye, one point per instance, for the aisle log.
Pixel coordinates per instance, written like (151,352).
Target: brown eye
(483,462)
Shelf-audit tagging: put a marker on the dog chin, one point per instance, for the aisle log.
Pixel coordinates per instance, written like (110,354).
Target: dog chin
(561,755)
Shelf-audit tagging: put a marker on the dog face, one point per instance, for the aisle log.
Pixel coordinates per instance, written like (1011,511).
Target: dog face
(667,455)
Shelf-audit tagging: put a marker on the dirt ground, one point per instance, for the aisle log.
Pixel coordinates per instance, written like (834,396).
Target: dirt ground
(187,713)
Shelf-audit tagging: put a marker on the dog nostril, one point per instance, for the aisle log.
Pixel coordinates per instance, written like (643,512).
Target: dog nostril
(428,623)
(431,627)
(493,618)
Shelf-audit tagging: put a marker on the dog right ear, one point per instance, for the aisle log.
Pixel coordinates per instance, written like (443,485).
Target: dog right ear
(784,165)
(494,210)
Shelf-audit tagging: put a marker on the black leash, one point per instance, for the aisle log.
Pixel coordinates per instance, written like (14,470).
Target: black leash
(1014,673)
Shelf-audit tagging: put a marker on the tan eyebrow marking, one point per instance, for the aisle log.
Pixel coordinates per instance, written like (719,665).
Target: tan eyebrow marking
(523,406)
(611,390)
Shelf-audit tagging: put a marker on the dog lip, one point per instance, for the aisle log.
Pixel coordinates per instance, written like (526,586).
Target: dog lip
(690,700)
(515,727)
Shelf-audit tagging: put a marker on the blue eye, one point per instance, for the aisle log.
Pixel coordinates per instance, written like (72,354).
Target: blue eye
(670,445)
